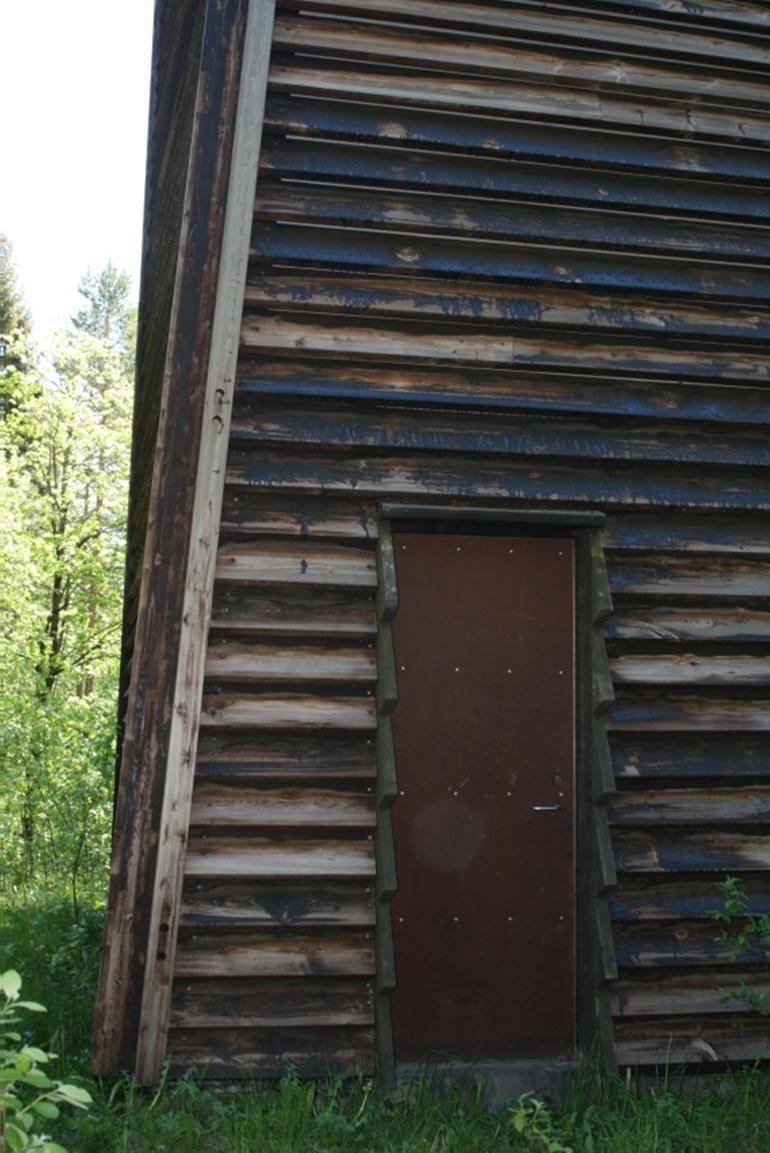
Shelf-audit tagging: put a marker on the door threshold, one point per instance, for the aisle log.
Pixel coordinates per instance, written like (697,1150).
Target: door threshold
(498,1081)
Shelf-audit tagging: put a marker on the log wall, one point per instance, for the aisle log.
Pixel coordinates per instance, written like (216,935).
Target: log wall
(505,254)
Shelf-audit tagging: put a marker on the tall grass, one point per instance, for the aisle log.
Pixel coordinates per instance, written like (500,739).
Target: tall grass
(58,958)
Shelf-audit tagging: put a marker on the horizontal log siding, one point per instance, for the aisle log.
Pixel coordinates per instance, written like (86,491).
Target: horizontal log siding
(502,254)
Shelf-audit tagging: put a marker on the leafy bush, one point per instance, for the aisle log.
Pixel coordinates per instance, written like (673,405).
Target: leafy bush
(28,1096)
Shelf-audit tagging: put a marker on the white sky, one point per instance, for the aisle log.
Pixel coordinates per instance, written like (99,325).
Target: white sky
(74,89)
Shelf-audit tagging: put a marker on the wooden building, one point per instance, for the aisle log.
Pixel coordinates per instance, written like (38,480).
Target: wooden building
(448,612)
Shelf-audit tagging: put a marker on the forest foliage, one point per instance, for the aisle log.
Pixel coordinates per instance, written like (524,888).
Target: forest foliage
(65,417)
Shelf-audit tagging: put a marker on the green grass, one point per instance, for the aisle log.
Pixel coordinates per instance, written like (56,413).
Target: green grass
(58,959)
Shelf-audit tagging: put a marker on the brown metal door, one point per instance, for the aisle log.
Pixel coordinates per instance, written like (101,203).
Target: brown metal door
(483,824)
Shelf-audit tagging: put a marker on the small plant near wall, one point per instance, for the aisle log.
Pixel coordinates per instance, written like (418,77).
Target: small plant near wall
(28,1096)
(744,932)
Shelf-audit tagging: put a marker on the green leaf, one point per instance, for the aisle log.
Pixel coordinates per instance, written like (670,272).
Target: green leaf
(37,1079)
(33,1006)
(16,1139)
(47,1109)
(10,984)
(52,1147)
(35,1054)
(74,1094)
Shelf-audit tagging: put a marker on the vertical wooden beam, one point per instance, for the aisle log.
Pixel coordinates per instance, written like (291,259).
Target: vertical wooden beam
(596,783)
(161,724)
(387,695)
(204,535)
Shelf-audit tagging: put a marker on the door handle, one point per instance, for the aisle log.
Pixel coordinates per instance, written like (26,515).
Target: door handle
(545,808)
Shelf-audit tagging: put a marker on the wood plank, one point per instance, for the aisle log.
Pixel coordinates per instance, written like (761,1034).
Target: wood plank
(287,711)
(455,345)
(265,857)
(291,757)
(587,76)
(653,623)
(749,805)
(399,167)
(734,756)
(692,994)
(404,476)
(292,612)
(237,660)
(241,1003)
(649,946)
(239,904)
(511,139)
(689,669)
(359,248)
(529,224)
(252,513)
(229,1054)
(304,562)
(689,577)
(689,715)
(530,391)
(723,15)
(275,954)
(674,900)
(515,21)
(687,534)
(524,99)
(223,805)
(300,424)
(525,307)
(699,1043)
(677,852)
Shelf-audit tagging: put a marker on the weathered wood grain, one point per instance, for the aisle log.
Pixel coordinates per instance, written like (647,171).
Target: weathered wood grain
(287,711)
(720,807)
(683,534)
(688,852)
(695,994)
(234,904)
(239,805)
(667,899)
(292,611)
(364,428)
(250,513)
(496,59)
(265,857)
(275,954)
(649,946)
(536,21)
(699,1043)
(673,714)
(305,562)
(288,757)
(530,224)
(690,669)
(652,576)
(528,392)
(243,661)
(656,623)
(522,98)
(728,756)
(397,476)
(366,249)
(404,168)
(526,307)
(241,1003)
(229,1054)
